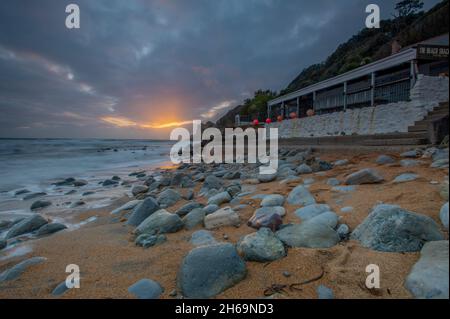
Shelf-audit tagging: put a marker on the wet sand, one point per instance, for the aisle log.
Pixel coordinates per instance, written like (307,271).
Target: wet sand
(110,262)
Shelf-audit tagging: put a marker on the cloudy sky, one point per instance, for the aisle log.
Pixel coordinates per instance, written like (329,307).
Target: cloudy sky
(137,69)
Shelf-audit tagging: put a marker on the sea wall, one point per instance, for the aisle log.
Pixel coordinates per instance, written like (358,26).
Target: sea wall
(388,118)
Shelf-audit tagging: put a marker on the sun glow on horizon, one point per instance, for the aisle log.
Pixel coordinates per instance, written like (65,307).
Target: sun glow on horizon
(125,122)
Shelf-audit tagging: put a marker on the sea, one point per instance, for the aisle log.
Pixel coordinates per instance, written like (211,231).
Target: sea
(32,166)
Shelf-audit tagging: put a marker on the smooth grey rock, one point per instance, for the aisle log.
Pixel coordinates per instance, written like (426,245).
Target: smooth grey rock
(212,182)
(50,229)
(409,163)
(343,231)
(268,217)
(391,228)
(34,195)
(232,175)
(311,211)
(303,169)
(27,225)
(364,176)
(160,222)
(308,234)
(139,189)
(209,270)
(223,217)
(385,159)
(300,195)
(168,198)
(261,246)
(189,195)
(127,206)
(80,183)
(77,204)
(273,200)
(344,189)
(17,270)
(410,154)
(185,209)
(146,289)
(327,218)
(142,210)
(209,209)
(194,218)
(429,277)
(323,292)
(147,240)
(40,204)
(218,199)
(341,162)
(21,192)
(443,214)
(441,163)
(267,178)
(308,181)
(3,243)
(234,189)
(202,238)
(109,182)
(333,181)
(406,177)
(347,209)
(60,289)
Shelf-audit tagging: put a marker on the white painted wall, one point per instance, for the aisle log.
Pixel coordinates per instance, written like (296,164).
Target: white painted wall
(388,118)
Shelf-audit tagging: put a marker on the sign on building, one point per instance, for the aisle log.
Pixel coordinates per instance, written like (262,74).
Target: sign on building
(432,52)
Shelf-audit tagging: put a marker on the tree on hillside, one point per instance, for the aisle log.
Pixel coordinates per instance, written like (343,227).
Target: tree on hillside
(406,8)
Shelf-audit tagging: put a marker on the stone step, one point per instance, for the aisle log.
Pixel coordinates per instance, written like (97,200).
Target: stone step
(401,141)
(418,128)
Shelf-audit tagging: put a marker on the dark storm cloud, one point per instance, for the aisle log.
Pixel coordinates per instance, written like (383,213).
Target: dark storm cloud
(138,64)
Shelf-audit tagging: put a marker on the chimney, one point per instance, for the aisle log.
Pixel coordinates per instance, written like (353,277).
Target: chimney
(395,47)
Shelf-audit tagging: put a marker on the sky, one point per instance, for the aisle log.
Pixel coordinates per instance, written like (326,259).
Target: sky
(138,69)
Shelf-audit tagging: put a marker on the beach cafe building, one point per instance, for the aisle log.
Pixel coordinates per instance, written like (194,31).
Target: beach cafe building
(384,81)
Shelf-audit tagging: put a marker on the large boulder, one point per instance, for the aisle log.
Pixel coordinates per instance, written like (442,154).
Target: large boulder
(269,217)
(303,169)
(185,209)
(139,189)
(300,195)
(364,176)
(127,206)
(429,276)
(160,222)
(17,270)
(261,246)
(391,228)
(40,204)
(221,198)
(272,200)
(146,289)
(26,225)
(385,159)
(51,228)
(308,234)
(209,270)
(194,218)
(311,211)
(267,178)
(444,215)
(142,210)
(223,217)
(212,182)
(202,238)
(168,198)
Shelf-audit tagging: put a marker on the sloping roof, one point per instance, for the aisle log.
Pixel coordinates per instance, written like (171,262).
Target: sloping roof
(382,64)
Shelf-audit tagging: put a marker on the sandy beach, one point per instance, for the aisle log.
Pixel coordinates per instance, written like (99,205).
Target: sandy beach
(110,261)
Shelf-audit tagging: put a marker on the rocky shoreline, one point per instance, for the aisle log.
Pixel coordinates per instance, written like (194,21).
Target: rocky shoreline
(224,230)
